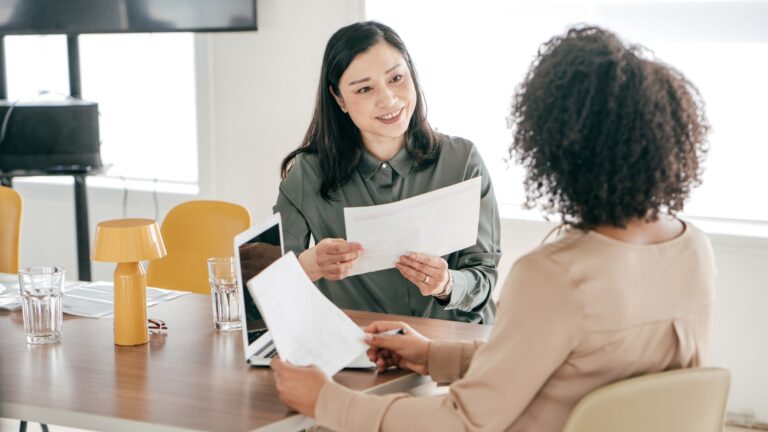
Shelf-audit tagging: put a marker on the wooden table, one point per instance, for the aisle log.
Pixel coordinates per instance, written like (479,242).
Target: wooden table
(193,378)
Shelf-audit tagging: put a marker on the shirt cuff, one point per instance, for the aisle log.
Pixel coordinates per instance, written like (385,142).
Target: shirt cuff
(341,409)
(459,288)
(448,360)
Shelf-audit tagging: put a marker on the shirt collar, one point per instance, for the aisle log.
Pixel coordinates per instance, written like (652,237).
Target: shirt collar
(401,162)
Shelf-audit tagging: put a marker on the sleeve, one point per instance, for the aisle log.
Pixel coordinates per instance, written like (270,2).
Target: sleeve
(289,201)
(539,324)
(449,360)
(475,272)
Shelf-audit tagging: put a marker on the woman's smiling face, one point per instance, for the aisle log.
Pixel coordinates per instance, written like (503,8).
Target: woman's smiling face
(378,93)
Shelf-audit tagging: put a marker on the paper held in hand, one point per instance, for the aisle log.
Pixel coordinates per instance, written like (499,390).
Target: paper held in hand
(306,327)
(435,223)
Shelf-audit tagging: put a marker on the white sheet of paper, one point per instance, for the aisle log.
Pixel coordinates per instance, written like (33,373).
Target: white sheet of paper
(435,223)
(306,327)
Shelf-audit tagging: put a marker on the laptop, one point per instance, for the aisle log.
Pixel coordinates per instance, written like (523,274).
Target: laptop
(255,249)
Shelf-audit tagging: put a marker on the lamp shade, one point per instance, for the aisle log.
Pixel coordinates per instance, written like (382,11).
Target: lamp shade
(128,240)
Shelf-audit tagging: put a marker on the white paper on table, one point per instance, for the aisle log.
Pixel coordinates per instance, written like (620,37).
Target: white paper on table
(435,223)
(10,298)
(306,327)
(84,299)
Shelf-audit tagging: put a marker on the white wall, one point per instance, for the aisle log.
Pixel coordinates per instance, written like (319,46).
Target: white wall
(255,95)
(262,91)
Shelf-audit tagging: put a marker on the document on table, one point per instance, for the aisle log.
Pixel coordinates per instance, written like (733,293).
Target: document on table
(435,223)
(306,327)
(96,299)
(85,299)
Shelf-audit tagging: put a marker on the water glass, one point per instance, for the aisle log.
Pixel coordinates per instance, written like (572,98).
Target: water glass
(223,280)
(41,303)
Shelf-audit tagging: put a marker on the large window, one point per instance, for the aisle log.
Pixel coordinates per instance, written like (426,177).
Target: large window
(144,85)
(470,56)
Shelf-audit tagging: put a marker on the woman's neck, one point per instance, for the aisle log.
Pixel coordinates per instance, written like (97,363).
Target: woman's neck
(642,232)
(382,148)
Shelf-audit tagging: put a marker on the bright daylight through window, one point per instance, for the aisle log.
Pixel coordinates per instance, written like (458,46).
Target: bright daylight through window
(144,85)
(470,55)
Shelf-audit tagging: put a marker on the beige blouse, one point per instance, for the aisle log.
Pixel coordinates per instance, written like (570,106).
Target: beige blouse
(575,315)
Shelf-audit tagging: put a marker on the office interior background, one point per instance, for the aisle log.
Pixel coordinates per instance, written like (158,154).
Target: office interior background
(210,116)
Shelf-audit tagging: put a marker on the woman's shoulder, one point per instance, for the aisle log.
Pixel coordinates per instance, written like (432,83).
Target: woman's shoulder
(588,248)
(306,167)
(457,144)
(552,254)
(304,173)
(696,235)
(542,273)
(460,152)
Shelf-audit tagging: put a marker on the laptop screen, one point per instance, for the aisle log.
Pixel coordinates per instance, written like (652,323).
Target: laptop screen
(255,252)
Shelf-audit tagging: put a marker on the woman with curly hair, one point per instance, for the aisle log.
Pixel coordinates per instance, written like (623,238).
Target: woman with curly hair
(612,143)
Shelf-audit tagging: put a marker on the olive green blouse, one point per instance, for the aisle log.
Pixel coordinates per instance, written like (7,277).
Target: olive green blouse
(304,212)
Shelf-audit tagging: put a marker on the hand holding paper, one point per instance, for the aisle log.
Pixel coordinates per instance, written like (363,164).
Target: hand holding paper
(306,327)
(331,258)
(429,273)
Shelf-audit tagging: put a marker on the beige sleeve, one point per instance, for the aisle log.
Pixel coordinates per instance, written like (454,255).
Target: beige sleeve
(538,325)
(449,360)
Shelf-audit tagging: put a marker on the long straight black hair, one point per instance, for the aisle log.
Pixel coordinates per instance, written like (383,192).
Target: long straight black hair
(332,135)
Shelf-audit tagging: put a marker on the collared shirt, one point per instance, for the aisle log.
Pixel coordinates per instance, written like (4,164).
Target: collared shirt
(304,212)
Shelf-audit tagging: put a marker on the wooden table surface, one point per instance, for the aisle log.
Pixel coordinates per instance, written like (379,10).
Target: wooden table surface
(193,378)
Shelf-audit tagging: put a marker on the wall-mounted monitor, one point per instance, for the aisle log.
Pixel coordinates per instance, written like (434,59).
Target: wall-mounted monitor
(20,17)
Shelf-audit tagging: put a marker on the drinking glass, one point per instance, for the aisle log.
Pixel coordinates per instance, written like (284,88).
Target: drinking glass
(41,303)
(223,280)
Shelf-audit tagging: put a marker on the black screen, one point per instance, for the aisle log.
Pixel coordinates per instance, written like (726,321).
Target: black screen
(125,16)
(256,255)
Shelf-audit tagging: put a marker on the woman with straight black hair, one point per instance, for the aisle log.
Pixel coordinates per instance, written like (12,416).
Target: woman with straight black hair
(369,143)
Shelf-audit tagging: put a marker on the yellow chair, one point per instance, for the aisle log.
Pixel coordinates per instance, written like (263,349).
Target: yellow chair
(193,232)
(10,226)
(684,400)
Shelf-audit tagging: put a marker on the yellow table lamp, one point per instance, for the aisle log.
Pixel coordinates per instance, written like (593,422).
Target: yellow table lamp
(127,242)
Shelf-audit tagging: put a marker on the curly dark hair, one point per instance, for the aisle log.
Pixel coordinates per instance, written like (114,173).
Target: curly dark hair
(606,136)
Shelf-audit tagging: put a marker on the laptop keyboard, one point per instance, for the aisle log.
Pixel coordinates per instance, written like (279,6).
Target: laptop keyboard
(269,348)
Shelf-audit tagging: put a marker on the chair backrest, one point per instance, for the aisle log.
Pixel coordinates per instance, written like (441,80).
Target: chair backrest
(193,232)
(10,227)
(683,400)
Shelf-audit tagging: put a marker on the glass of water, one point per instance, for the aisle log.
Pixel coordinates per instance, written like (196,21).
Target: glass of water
(41,303)
(223,280)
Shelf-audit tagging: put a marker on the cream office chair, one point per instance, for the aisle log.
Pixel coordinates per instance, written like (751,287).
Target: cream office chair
(684,400)
(193,232)
(10,227)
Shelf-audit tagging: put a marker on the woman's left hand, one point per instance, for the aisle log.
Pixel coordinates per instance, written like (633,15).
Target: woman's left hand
(298,387)
(429,273)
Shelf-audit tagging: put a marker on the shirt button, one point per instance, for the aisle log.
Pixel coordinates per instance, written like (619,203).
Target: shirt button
(384,165)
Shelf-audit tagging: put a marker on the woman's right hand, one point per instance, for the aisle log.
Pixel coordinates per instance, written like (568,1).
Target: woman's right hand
(407,351)
(331,258)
